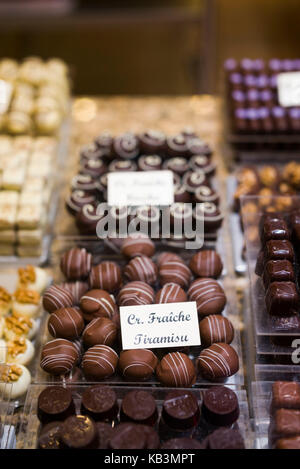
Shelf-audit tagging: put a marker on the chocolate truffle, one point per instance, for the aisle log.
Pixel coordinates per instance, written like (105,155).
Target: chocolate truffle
(99,362)
(278,271)
(177,146)
(126,146)
(66,323)
(136,293)
(208,214)
(220,406)
(152,141)
(205,194)
(84,182)
(180,410)
(105,276)
(215,328)
(166,257)
(59,356)
(175,272)
(49,437)
(278,250)
(178,165)
(139,407)
(282,298)
(225,438)
(105,432)
(104,143)
(288,443)
(137,246)
(76,263)
(182,195)
(209,296)
(87,219)
(56,297)
(148,218)
(94,168)
(170,293)
(128,436)
(77,289)
(286,395)
(126,165)
(141,268)
(181,215)
(90,152)
(100,331)
(276,229)
(181,443)
(99,403)
(55,403)
(78,199)
(79,432)
(196,146)
(150,163)
(97,303)
(206,263)
(202,163)
(137,364)
(193,180)
(218,361)
(176,369)
(152,438)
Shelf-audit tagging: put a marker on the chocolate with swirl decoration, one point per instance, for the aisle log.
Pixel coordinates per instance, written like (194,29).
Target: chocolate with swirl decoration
(135,294)
(194,179)
(137,245)
(176,369)
(218,361)
(59,356)
(150,163)
(56,297)
(94,168)
(175,272)
(206,194)
(84,182)
(216,328)
(99,362)
(178,165)
(141,268)
(126,146)
(66,323)
(77,199)
(105,276)
(152,141)
(209,214)
(170,293)
(209,296)
(206,263)
(203,163)
(177,145)
(124,165)
(137,364)
(76,264)
(97,303)
(196,146)
(87,219)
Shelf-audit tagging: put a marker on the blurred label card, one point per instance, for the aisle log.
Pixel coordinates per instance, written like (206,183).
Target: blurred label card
(160,326)
(140,188)
(5,96)
(288,85)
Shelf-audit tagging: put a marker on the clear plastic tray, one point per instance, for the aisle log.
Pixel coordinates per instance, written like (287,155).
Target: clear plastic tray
(27,437)
(7,432)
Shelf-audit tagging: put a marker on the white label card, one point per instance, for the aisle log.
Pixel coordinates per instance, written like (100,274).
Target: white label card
(130,188)
(160,326)
(5,95)
(288,85)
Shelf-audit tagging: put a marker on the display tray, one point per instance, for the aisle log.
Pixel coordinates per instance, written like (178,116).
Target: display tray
(27,437)
(7,431)
(61,245)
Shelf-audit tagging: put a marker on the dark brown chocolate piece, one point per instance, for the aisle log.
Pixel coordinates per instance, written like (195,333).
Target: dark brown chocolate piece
(128,436)
(79,432)
(100,403)
(220,406)
(55,403)
(286,423)
(282,299)
(49,437)
(278,271)
(139,407)
(286,395)
(225,438)
(180,409)
(274,230)
(181,443)
(288,443)
(278,250)
(105,432)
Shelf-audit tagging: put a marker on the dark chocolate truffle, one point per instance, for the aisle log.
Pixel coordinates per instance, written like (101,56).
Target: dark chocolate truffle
(193,180)
(170,293)
(77,199)
(214,329)
(104,143)
(136,293)
(99,362)
(141,268)
(137,246)
(177,145)
(150,163)
(56,297)
(59,356)
(126,165)
(275,229)
(76,263)
(105,432)
(94,168)
(210,215)
(206,194)
(206,263)
(220,406)
(87,219)
(97,303)
(181,443)
(278,271)
(99,403)
(174,271)
(209,296)
(278,250)
(128,436)
(55,403)
(218,361)
(181,195)
(282,299)
(152,141)
(180,410)
(152,438)
(202,163)
(196,146)
(139,407)
(105,276)
(126,146)
(137,364)
(49,437)
(100,331)
(225,438)
(84,182)
(79,432)
(176,369)
(66,323)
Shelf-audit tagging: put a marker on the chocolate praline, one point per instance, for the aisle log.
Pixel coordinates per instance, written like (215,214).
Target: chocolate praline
(202,163)
(206,263)
(220,406)
(137,245)
(90,152)
(225,438)
(196,146)
(217,362)
(104,143)
(59,356)
(180,410)
(56,297)
(79,432)
(126,146)
(216,328)
(176,369)
(209,296)
(85,182)
(128,436)
(193,180)
(181,215)
(105,276)
(166,257)
(148,217)
(76,263)
(141,268)
(285,395)
(178,165)
(181,194)
(55,403)
(174,272)
(278,271)
(87,219)
(170,293)
(208,214)
(49,437)
(100,331)
(138,364)
(149,163)
(139,407)
(123,165)
(177,146)
(93,168)
(136,293)
(206,194)
(275,230)
(97,303)
(77,199)
(278,250)
(152,141)
(99,362)
(66,323)
(99,403)
(282,299)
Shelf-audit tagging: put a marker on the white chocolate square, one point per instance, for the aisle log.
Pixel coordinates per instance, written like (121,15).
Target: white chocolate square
(9,198)
(29,217)
(13,179)
(8,215)
(41,170)
(30,198)
(33,184)
(29,237)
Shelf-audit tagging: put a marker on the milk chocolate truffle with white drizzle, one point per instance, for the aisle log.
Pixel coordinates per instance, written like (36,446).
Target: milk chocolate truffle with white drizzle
(175,271)
(99,362)
(105,276)
(216,328)
(76,264)
(100,331)
(137,245)
(66,323)
(56,297)
(170,293)
(126,146)
(217,362)
(77,199)
(97,303)
(150,163)
(152,141)
(209,296)
(78,289)
(59,356)
(137,364)
(176,369)
(141,268)
(135,294)
(166,257)
(206,263)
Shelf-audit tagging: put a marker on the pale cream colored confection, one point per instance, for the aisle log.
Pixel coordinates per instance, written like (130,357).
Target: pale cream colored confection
(8,216)
(23,103)
(7,249)
(33,184)
(40,156)
(24,89)
(18,122)
(13,179)
(32,278)
(20,351)
(30,198)
(5,301)
(29,238)
(29,217)
(41,169)
(2,326)
(6,144)
(9,198)
(3,353)
(46,103)
(45,144)
(9,69)
(8,236)
(23,142)
(32,72)
(26,303)
(29,250)
(48,122)
(19,377)
(19,326)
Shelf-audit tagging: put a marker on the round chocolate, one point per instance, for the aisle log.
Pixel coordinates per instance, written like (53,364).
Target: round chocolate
(77,289)
(150,163)
(49,437)
(104,143)
(206,263)
(182,195)
(205,194)
(79,432)
(105,432)
(215,328)
(139,407)
(90,151)
(137,364)
(152,141)
(209,296)
(166,257)
(125,165)
(136,293)
(137,245)
(196,146)
(55,403)
(176,369)
(99,403)
(100,331)
(217,362)
(99,362)
(93,168)
(84,182)
(126,146)
(148,217)
(181,215)
(97,303)
(152,438)
(59,356)
(220,406)
(87,219)
(141,268)
(194,180)
(77,199)
(180,410)
(178,165)
(208,214)
(202,163)
(119,218)
(181,443)
(56,297)
(174,272)
(170,293)
(105,276)
(128,436)
(177,146)
(76,263)
(66,323)
(225,438)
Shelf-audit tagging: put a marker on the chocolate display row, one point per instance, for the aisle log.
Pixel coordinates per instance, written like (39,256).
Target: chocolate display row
(93,315)
(136,419)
